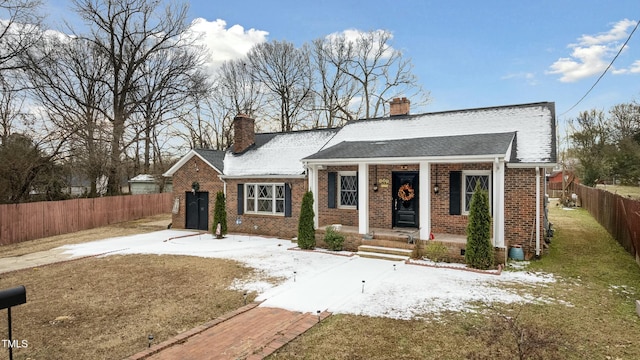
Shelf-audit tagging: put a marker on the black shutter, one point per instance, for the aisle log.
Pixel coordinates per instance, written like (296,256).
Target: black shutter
(357,191)
(455,188)
(240,199)
(331,189)
(287,200)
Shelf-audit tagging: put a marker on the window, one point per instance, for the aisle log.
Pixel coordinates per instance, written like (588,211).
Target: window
(348,185)
(471,179)
(265,198)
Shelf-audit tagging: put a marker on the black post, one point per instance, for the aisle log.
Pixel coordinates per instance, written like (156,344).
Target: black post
(10,342)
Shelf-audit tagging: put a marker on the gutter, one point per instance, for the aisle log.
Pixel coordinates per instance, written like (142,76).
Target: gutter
(537,212)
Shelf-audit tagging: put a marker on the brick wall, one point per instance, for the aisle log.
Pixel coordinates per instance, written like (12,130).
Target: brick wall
(520,208)
(194,170)
(326,216)
(441,221)
(265,224)
(243,133)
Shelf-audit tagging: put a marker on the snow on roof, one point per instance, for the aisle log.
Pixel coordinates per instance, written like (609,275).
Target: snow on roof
(143,178)
(533,123)
(280,155)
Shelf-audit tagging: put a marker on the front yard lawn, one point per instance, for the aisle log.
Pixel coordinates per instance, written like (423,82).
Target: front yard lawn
(598,283)
(105,308)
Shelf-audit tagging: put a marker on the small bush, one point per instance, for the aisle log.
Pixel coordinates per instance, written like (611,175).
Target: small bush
(306,230)
(220,214)
(479,251)
(333,239)
(436,251)
(418,251)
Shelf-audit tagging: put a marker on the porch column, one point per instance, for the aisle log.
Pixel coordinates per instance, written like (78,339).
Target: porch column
(424,198)
(363,198)
(498,203)
(313,187)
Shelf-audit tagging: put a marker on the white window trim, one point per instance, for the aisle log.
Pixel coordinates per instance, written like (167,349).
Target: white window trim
(464,187)
(255,199)
(339,185)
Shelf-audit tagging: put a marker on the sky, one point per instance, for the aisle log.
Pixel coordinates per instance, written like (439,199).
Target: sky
(467,54)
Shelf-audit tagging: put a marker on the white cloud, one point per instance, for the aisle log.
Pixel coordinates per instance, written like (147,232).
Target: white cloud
(530,78)
(225,43)
(592,54)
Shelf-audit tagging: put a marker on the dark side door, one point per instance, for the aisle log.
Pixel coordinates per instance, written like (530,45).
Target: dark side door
(197,210)
(405,204)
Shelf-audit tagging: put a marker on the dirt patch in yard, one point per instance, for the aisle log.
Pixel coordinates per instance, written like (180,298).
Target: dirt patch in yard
(105,308)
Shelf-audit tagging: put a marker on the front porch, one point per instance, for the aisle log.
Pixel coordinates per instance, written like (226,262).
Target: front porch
(393,244)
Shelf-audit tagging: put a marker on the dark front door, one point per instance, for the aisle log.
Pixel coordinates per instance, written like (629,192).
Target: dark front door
(197,210)
(405,199)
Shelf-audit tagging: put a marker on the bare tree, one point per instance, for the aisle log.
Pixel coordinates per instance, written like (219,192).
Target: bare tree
(285,72)
(13,117)
(19,31)
(131,34)
(235,90)
(335,89)
(165,87)
(380,71)
(66,78)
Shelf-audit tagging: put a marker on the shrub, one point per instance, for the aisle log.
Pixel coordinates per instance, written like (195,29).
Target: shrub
(333,239)
(220,214)
(436,251)
(306,230)
(479,251)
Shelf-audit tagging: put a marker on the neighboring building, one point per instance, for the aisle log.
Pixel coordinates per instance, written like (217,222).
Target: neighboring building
(147,184)
(402,171)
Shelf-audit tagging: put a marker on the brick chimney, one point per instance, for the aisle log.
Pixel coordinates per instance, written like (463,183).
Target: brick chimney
(244,133)
(399,106)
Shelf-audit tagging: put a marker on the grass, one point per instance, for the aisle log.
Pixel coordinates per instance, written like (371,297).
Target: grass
(591,313)
(104,308)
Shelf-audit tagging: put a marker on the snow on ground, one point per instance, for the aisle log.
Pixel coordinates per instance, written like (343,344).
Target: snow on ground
(324,281)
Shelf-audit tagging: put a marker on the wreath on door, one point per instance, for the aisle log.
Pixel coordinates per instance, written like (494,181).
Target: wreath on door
(406,192)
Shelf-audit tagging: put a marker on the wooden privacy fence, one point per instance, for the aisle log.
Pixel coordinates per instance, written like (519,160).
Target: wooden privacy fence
(22,222)
(619,215)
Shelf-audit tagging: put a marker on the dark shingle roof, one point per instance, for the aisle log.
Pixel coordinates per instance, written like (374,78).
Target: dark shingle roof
(214,157)
(461,145)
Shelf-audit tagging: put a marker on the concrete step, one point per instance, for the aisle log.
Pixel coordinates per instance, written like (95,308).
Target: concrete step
(384,250)
(399,244)
(381,256)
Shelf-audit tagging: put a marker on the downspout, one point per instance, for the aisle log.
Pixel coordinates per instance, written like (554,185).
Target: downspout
(537,211)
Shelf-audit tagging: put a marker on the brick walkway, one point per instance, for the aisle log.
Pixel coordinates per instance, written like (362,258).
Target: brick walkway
(250,333)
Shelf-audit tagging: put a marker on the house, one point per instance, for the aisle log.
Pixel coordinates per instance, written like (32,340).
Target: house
(148,184)
(411,172)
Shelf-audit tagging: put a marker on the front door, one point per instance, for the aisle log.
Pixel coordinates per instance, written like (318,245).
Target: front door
(405,199)
(197,210)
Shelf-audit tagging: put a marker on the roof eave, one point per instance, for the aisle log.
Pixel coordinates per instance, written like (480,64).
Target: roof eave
(531,165)
(404,160)
(263,176)
(184,160)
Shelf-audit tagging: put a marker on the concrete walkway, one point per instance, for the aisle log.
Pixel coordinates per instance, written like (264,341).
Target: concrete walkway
(32,260)
(251,333)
